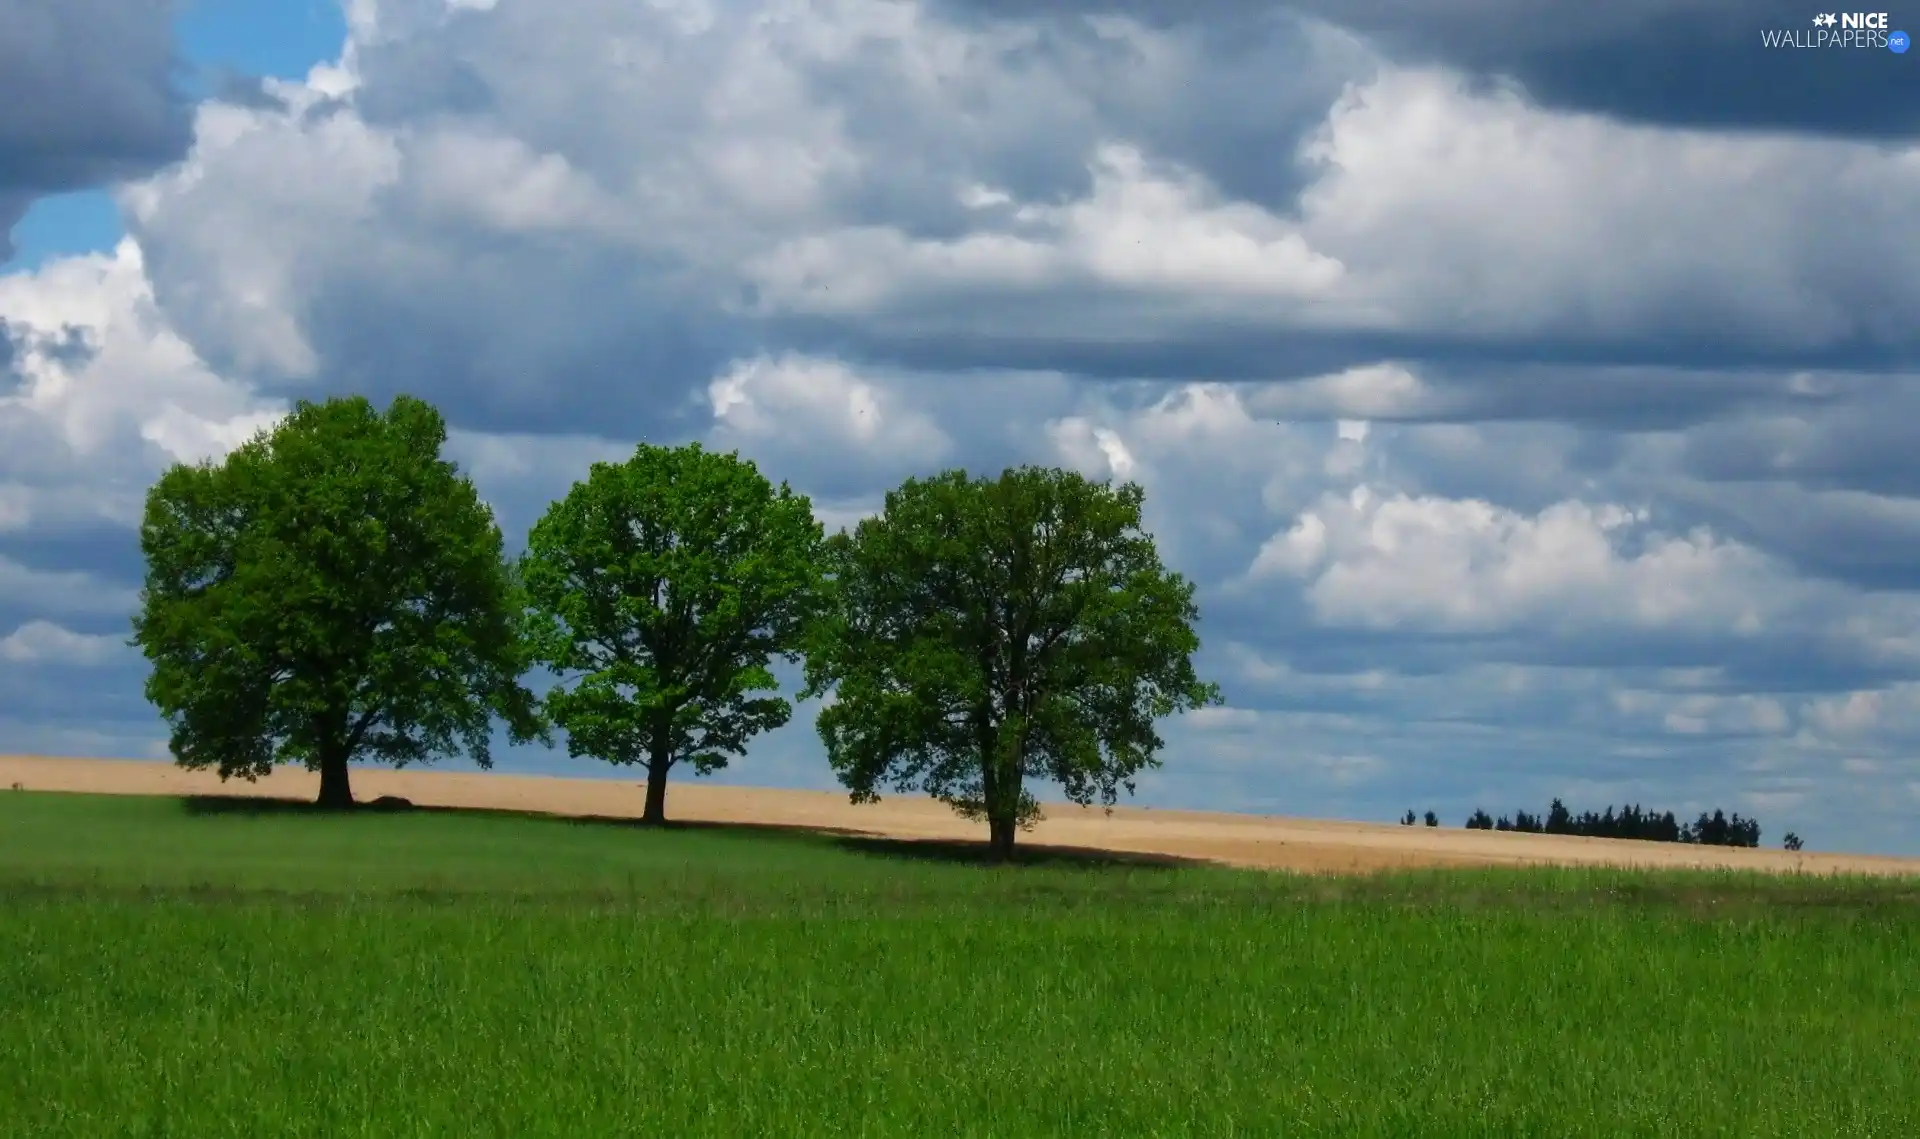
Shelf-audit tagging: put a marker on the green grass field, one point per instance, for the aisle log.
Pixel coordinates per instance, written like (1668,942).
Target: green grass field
(183,969)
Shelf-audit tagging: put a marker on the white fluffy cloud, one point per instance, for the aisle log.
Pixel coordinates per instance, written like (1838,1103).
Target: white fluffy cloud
(1393,560)
(45,643)
(1476,210)
(948,186)
(1698,714)
(1162,232)
(246,263)
(105,392)
(822,404)
(62,592)
(1434,209)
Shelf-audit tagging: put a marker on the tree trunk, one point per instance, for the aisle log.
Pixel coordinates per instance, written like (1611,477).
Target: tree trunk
(336,792)
(1001,779)
(656,812)
(1000,791)
(1000,831)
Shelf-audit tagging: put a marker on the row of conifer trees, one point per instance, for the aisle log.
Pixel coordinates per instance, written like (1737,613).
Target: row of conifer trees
(1710,829)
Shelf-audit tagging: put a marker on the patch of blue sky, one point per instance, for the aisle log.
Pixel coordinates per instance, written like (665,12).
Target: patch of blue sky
(217,39)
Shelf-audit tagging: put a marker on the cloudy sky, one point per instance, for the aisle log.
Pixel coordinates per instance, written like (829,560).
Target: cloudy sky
(1532,390)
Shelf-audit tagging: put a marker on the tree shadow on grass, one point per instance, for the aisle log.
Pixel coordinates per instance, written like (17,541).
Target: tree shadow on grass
(249,805)
(1030,854)
(865,842)
(852,840)
(261,805)
(1702,893)
(703,826)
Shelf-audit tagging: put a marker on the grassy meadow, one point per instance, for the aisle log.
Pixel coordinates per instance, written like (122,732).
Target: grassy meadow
(222,968)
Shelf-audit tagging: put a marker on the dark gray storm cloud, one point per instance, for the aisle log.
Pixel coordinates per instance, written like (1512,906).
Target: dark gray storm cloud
(1797,658)
(67,346)
(1865,444)
(1616,399)
(1246,138)
(1698,63)
(1834,489)
(584,343)
(1859,539)
(108,553)
(88,94)
(970,336)
(1621,399)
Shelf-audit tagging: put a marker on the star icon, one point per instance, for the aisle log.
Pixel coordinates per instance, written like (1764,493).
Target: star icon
(1826,20)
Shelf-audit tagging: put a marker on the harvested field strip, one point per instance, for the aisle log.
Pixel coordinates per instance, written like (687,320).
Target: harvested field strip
(1228,839)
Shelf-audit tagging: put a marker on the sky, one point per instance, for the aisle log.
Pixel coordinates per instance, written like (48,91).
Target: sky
(1530,390)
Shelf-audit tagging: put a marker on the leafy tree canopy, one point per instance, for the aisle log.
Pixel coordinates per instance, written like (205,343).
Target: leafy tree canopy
(662,589)
(990,631)
(333,591)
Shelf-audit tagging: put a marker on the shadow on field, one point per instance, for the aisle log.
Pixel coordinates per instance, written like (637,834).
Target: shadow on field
(261,805)
(1031,854)
(952,851)
(948,851)
(697,826)
(248,805)
(919,850)
(1711,895)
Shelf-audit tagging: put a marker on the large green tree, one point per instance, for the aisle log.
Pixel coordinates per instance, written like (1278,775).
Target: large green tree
(332,591)
(663,588)
(985,632)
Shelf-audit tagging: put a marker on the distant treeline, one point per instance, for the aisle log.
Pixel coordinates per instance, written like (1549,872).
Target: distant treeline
(1716,829)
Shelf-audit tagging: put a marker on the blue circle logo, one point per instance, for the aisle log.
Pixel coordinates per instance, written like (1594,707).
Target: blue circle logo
(1897,43)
